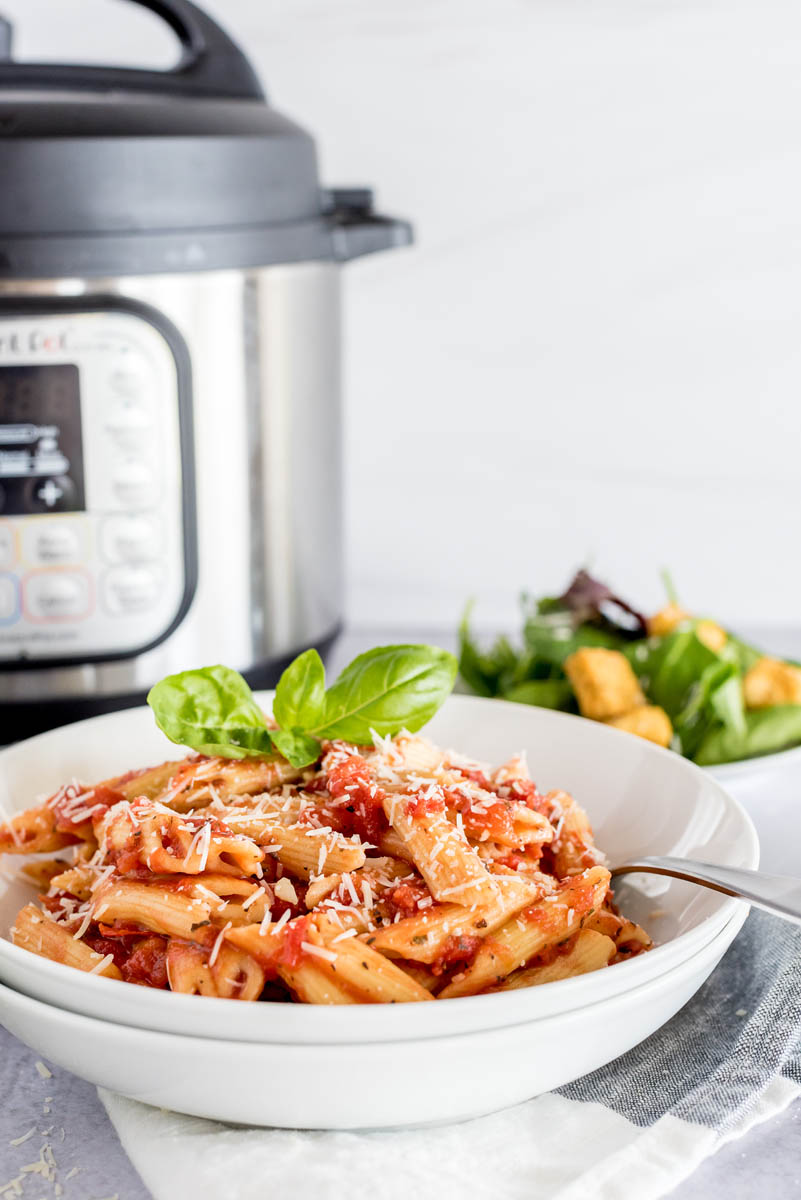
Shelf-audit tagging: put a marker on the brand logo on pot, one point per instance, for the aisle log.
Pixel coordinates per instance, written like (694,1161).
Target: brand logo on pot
(32,341)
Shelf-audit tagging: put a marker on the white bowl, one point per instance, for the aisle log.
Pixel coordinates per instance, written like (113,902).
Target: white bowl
(643,800)
(296,1084)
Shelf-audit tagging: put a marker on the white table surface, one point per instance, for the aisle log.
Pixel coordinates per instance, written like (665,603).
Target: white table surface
(65,1112)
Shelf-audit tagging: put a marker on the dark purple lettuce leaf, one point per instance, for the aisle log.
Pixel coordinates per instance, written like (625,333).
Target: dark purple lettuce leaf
(589,600)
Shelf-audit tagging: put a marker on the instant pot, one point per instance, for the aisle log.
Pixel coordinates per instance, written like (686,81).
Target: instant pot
(170,428)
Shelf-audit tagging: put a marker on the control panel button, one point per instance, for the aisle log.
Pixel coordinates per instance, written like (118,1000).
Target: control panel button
(9,604)
(134,483)
(127,381)
(7,549)
(130,590)
(56,595)
(52,543)
(129,416)
(51,493)
(130,539)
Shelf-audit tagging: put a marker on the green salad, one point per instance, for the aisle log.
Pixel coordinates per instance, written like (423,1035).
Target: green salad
(679,680)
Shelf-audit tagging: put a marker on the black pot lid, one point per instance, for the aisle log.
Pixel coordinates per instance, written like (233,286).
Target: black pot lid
(118,171)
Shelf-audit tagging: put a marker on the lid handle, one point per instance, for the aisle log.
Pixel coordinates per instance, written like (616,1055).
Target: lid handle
(211,63)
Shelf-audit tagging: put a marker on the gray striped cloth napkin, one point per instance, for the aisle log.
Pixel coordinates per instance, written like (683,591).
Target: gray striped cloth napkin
(630,1131)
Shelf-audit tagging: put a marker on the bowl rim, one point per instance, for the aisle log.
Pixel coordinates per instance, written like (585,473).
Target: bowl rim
(10,996)
(352,1023)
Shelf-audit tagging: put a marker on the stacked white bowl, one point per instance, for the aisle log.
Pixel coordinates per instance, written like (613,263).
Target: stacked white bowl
(300,1066)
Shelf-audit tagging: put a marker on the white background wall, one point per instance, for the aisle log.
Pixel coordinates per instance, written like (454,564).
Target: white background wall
(594,351)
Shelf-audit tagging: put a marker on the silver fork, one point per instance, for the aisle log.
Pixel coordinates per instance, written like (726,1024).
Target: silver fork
(777,894)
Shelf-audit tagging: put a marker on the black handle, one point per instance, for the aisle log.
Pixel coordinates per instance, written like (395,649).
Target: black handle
(211,64)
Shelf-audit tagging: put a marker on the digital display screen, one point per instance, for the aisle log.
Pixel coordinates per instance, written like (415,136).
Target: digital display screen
(41,455)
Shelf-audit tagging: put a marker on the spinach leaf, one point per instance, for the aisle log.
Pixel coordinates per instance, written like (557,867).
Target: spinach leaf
(479,670)
(544,693)
(727,701)
(386,689)
(211,710)
(553,640)
(675,667)
(300,694)
(714,699)
(767,730)
(744,655)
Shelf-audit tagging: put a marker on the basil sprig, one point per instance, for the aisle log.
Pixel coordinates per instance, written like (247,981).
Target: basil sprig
(212,709)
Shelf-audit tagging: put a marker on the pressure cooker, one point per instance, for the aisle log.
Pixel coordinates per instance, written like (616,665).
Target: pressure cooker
(170,426)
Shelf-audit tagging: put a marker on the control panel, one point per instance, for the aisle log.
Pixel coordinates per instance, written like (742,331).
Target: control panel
(93,532)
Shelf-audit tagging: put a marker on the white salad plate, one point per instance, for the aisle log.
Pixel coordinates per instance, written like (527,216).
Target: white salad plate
(641,799)
(750,775)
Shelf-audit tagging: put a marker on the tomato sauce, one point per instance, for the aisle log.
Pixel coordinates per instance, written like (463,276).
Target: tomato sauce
(551,916)
(524,791)
(423,805)
(147,963)
(291,950)
(474,774)
(405,897)
(141,957)
(460,949)
(72,812)
(554,951)
(360,808)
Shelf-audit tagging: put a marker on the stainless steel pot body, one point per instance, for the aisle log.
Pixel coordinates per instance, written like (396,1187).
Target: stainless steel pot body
(250,490)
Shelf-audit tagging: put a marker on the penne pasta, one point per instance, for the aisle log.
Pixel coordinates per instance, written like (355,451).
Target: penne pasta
(311,985)
(305,850)
(373,978)
(589,952)
(152,906)
(424,937)
(573,846)
(222,971)
(42,871)
(397,873)
(41,935)
(524,936)
(34,832)
(449,865)
(147,834)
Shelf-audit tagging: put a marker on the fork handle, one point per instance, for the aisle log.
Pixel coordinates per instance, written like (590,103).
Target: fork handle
(777,894)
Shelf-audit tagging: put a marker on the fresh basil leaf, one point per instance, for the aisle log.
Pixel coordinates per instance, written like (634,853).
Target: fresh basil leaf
(544,693)
(211,710)
(297,747)
(387,689)
(300,694)
(767,730)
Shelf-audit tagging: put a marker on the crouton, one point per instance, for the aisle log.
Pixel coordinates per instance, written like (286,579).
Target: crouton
(647,721)
(666,620)
(771,682)
(604,683)
(712,635)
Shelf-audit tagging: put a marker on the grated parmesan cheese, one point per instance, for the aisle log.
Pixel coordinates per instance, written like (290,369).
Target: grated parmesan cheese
(101,966)
(319,951)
